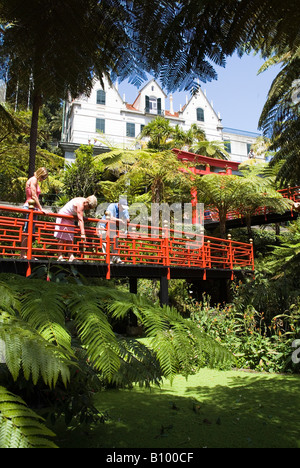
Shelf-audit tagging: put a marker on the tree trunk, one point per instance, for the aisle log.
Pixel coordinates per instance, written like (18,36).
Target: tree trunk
(222,217)
(36,105)
(249,227)
(157,190)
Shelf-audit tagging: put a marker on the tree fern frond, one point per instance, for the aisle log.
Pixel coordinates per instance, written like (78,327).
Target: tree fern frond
(25,349)
(20,427)
(139,365)
(173,338)
(42,306)
(96,334)
(165,352)
(9,301)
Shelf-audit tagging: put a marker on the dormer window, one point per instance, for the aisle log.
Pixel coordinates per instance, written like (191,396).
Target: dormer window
(153,105)
(200,114)
(101,97)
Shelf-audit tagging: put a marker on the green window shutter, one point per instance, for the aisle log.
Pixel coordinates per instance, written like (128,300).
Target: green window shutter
(159,106)
(147,99)
(200,114)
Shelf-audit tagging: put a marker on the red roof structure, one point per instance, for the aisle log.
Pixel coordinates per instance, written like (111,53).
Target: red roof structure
(198,159)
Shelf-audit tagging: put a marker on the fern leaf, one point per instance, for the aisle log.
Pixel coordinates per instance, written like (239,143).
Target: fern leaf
(173,338)
(9,302)
(95,333)
(25,349)
(42,306)
(165,352)
(139,365)
(20,427)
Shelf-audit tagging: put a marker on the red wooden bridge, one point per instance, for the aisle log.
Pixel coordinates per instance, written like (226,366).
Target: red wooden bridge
(204,165)
(142,252)
(261,215)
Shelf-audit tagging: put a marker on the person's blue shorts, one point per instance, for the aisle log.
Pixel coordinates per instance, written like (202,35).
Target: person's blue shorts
(25,228)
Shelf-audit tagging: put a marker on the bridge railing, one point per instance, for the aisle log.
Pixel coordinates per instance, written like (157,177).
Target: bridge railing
(138,245)
(292,193)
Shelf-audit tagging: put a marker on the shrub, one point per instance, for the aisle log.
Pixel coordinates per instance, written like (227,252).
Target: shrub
(255,343)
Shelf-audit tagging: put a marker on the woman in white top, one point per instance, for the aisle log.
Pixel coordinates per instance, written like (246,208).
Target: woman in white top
(65,228)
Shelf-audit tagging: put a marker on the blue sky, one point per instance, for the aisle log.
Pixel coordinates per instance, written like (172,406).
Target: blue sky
(239,93)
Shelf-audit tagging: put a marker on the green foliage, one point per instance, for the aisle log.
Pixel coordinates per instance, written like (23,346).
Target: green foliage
(26,350)
(160,132)
(116,162)
(280,115)
(212,149)
(244,194)
(163,136)
(81,177)
(20,427)
(285,257)
(60,346)
(14,139)
(257,342)
(156,173)
(174,339)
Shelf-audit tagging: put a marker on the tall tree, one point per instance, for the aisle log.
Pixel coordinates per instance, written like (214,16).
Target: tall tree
(212,149)
(61,46)
(280,118)
(194,35)
(225,193)
(160,132)
(159,174)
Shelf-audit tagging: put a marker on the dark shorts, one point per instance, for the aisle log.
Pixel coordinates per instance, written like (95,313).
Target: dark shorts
(25,228)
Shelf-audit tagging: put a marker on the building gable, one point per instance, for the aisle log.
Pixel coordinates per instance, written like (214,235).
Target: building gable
(199,109)
(151,98)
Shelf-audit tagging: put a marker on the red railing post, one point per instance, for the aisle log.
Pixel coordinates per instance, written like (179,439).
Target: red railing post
(108,245)
(166,249)
(204,260)
(252,254)
(230,255)
(208,256)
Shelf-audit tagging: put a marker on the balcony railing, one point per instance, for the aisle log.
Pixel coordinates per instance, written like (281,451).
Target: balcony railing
(159,112)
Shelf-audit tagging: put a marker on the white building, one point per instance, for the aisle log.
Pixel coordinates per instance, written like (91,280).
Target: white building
(105,120)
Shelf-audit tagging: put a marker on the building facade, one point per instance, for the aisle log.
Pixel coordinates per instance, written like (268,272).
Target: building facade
(105,120)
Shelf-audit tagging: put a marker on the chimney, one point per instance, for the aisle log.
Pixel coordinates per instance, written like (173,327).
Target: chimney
(171,104)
